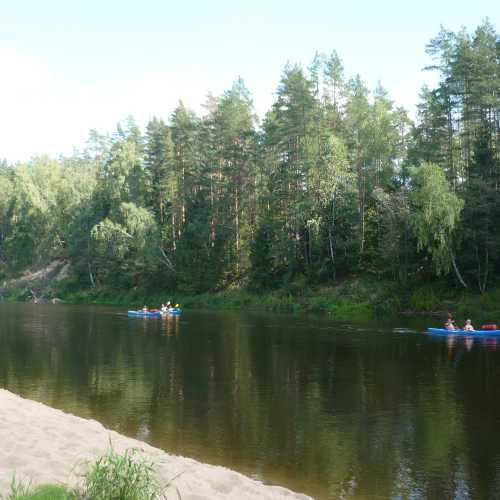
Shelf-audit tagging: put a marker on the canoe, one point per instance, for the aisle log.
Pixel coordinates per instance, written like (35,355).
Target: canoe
(145,314)
(173,311)
(443,331)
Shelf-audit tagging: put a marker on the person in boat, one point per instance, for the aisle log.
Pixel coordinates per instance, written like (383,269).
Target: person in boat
(468,326)
(450,325)
(164,308)
(145,309)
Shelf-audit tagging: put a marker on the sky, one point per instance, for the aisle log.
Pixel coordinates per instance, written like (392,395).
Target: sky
(68,66)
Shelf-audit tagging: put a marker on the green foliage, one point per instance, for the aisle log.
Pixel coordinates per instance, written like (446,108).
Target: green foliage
(158,163)
(345,310)
(115,476)
(424,299)
(458,130)
(435,214)
(20,490)
(359,298)
(261,263)
(121,477)
(197,263)
(51,492)
(337,181)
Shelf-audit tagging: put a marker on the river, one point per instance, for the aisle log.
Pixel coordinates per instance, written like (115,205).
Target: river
(335,410)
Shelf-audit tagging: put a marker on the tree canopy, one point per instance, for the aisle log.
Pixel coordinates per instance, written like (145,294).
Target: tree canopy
(335,180)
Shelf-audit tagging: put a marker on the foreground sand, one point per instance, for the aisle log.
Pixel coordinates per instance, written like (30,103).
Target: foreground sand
(44,444)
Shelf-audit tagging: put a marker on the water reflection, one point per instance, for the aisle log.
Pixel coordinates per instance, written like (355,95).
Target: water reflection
(336,410)
(171,325)
(454,342)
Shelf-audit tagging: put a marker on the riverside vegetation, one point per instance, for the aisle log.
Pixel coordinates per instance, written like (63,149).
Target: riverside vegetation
(124,476)
(336,202)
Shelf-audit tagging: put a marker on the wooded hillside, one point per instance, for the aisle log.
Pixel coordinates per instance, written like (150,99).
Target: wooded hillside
(335,180)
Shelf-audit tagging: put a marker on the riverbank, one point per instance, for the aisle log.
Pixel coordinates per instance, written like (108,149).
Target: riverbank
(46,445)
(355,298)
(358,298)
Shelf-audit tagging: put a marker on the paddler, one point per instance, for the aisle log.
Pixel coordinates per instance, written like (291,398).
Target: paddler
(468,326)
(450,323)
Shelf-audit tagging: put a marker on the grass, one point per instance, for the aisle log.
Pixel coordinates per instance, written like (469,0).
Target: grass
(355,299)
(114,476)
(121,477)
(24,491)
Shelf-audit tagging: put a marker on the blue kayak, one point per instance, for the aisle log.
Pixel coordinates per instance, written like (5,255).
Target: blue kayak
(173,311)
(145,314)
(443,331)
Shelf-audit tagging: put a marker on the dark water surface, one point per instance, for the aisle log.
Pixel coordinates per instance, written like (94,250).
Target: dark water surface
(334,410)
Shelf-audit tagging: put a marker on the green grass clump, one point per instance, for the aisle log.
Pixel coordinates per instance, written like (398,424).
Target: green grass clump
(19,490)
(121,477)
(114,476)
(51,492)
(24,491)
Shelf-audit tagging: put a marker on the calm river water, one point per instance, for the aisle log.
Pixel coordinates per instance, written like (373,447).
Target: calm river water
(335,410)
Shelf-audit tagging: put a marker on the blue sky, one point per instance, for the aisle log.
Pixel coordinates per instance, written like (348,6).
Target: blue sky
(68,66)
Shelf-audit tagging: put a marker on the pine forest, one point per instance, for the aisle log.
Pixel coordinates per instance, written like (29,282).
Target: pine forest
(334,182)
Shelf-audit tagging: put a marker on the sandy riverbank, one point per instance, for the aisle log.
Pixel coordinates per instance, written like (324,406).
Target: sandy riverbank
(45,445)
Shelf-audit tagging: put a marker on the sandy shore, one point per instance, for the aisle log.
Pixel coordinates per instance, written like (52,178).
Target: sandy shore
(45,445)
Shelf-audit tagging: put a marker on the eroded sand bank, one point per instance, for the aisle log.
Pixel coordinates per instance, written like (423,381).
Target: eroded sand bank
(44,445)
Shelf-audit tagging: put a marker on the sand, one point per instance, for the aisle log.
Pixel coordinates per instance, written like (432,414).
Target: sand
(44,445)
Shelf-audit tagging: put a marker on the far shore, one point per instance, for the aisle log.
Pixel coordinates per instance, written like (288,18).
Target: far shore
(44,445)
